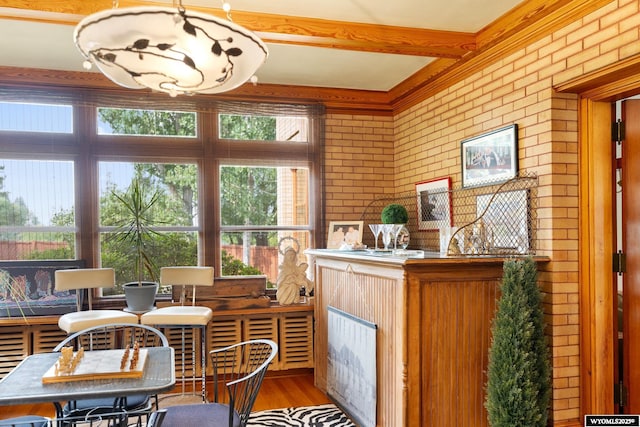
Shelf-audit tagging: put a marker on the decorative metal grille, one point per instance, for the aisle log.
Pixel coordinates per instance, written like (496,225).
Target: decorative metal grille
(494,219)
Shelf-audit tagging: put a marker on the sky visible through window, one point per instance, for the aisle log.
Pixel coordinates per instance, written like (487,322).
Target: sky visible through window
(45,186)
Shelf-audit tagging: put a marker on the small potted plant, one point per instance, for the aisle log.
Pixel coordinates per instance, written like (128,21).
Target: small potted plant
(134,235)
(393,217)
(394,213)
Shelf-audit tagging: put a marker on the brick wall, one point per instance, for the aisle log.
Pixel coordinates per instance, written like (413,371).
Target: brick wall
(358,163)
(367,156)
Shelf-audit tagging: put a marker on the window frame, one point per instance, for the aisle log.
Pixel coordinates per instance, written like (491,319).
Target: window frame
(87,148)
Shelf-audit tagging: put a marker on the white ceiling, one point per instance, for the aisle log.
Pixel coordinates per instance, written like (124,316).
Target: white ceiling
(26,43)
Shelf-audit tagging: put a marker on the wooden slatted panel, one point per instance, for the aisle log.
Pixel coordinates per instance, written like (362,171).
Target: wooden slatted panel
(223,333)
(46,337)
(262,327)
(14,347)
(373,293)
(296,341)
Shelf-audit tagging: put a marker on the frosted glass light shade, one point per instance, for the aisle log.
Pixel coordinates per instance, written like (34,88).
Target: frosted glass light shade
(170,50)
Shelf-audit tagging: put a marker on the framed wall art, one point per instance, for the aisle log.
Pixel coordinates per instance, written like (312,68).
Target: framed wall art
(341,232)
(506,218)
(433,203)
(491,157)
(27,288)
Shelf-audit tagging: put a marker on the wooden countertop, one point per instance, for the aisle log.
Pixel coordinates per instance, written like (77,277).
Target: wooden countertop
(413,258)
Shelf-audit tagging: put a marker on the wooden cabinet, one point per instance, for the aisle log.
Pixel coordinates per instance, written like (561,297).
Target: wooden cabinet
(433,318)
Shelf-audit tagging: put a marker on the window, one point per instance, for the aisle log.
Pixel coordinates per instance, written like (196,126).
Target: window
(25,117)
(37,217)
(263,209)
(263,128)
(120,121)
(170,192)
(235,180)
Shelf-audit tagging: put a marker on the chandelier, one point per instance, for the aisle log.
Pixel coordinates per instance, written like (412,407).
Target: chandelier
(170,50)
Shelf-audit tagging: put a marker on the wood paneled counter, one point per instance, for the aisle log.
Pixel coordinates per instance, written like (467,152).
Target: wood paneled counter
(433,317)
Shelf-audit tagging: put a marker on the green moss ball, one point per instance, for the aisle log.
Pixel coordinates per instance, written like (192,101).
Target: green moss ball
(394,214)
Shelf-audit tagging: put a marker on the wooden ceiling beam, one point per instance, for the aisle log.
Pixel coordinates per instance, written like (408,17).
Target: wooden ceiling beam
(275,28)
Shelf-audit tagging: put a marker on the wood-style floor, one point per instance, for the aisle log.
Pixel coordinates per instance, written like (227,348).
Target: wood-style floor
(279,391)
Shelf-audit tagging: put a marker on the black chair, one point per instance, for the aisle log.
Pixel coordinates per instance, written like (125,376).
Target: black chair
(110,337)
(26,421)
(238,371)
(88,420)
(156,418)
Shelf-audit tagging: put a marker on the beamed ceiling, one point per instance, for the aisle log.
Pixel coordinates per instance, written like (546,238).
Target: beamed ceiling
(350,54)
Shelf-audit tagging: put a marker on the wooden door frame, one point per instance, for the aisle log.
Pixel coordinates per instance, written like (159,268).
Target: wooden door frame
(597,90)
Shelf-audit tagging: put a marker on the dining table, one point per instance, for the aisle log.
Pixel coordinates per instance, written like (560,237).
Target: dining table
(24,384)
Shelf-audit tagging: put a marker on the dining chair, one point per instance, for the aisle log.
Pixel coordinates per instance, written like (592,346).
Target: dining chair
(238,371)
(88,278)
(26,421)
(110,337)
(185,317)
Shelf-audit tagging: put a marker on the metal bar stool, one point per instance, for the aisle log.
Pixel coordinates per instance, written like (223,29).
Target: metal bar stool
(185,317)
(89,278)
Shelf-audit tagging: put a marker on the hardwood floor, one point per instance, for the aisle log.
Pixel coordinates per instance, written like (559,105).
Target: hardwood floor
(277,391)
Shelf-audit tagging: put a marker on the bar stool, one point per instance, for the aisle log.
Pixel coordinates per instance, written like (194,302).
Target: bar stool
(89,278)
(185,317)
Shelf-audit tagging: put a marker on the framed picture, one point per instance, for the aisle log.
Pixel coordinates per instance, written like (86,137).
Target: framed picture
(506,220)
(491,157)
(433,201)
(340,232)
(28,288)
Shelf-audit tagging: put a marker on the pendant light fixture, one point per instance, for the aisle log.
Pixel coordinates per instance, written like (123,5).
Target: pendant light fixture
(170,50)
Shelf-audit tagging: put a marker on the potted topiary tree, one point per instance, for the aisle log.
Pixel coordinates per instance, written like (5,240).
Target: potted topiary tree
(394,216)
(134,235)
(519,371)
(394,213)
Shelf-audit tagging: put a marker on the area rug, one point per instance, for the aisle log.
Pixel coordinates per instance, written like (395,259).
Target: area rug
(328,415)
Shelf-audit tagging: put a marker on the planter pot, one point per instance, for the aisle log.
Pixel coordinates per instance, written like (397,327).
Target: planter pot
(140,299)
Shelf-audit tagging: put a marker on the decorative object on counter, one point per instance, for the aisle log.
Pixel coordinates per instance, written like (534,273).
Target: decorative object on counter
(445,241)
(344,233)
(386,236)
(505,216)
(376,229)
(402,237)
(433,201)
(501,226)
(393,217)
(394,213)
(490,157)
(292,277)
(467,205)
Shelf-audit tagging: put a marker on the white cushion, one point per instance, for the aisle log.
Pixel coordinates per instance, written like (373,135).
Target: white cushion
(79,320)
(178,315)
